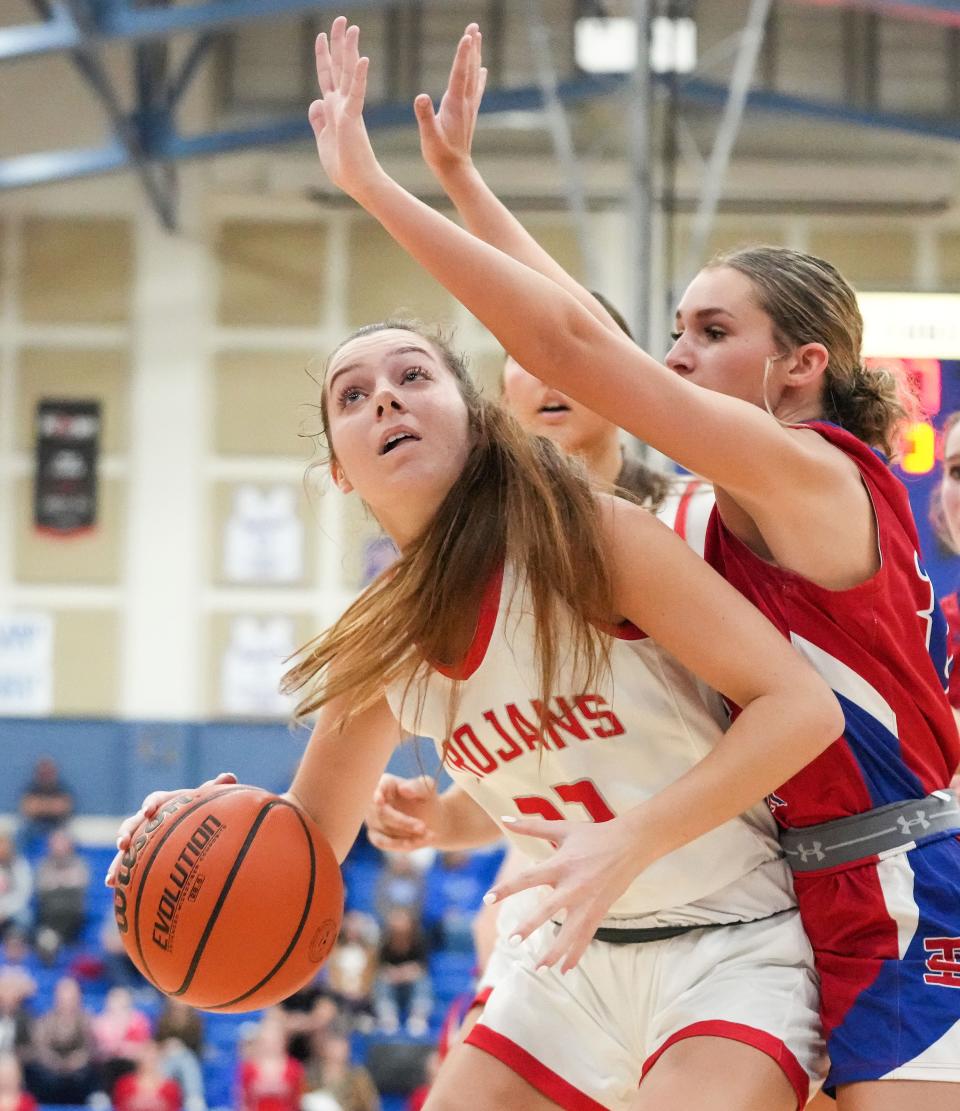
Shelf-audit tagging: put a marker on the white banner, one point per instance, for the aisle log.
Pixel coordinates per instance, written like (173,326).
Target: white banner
(252,666)
(26,664)
(264,536)
(911,325)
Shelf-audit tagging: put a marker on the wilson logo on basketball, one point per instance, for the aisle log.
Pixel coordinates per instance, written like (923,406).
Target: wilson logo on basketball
(165,919)
(944,962)
(129,859)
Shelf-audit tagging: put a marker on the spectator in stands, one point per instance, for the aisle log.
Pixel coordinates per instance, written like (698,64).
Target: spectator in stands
(418,1097)
(400,884)
(270,1079)
(12,1095)
(46,804)
(17,951)
(120,970)
(62,879)
(331,1072)
(16,887)
(180,1034)
(308,1014)
(147,1088)
(180,1022)
(16,987)
(61,1067)
(352,967)
(120,1031)
(453,893)
(402,988)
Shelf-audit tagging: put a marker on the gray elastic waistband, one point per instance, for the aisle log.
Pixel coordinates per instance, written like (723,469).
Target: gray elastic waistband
(879,832)
(615,935)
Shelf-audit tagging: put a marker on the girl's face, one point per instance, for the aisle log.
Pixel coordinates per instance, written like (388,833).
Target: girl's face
(950,485)
(544,411)
(399,427)
(723,338)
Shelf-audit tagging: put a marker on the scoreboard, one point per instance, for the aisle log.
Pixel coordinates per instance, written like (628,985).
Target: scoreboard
(917,335)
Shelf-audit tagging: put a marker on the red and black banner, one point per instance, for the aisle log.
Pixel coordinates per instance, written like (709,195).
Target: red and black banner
(65,482)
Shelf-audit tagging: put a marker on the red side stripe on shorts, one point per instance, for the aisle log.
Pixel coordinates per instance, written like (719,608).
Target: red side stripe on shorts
(535,1072)
(749,1035)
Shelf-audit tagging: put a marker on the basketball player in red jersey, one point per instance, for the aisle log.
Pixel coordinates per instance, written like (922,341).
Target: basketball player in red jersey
(497,616)
(765,394)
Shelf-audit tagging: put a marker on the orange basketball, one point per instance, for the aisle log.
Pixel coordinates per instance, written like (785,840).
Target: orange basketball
(229,899)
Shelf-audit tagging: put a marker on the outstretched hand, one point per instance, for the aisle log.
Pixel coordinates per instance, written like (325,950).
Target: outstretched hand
(446,137)
(593,865)
(337,117)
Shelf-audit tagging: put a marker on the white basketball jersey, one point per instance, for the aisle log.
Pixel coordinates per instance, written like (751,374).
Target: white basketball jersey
(687,508)
(605,751)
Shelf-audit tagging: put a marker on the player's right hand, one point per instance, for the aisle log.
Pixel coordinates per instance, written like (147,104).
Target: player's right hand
(446,137)
(148,809)
(404,814)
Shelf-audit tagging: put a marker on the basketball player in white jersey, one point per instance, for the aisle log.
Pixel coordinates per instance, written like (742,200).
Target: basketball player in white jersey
(765,391)
(398,818)
(509,629)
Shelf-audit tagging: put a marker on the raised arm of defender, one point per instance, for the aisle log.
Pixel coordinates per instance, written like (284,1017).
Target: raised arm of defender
(744,450)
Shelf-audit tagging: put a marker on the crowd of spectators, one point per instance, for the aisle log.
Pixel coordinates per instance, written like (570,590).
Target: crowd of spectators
(80,1026)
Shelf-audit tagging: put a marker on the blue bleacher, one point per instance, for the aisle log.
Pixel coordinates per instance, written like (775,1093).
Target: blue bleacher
(451,973)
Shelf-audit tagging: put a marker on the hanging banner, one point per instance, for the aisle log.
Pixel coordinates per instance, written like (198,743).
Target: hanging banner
(253,664)
(263,542)
(26,664)
(67,452)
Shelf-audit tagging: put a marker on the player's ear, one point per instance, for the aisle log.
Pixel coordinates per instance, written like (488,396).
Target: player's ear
(808,365)
(340,479)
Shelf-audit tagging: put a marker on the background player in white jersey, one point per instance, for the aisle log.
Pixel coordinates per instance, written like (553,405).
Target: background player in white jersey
(470,500)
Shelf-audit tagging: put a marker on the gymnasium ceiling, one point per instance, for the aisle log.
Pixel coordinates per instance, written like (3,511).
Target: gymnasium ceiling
(852,106)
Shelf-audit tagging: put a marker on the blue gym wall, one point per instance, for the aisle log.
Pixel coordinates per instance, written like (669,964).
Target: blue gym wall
(111,765)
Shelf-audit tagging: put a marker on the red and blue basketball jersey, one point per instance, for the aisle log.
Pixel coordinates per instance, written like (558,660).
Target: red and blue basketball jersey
(885,932)
(881,646)
(951,611)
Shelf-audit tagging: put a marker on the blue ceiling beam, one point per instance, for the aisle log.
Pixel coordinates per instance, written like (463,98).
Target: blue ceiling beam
(767,100)
(162,143)
(180,82)
(946,13)
(25,41)
(27,170)
(119,21)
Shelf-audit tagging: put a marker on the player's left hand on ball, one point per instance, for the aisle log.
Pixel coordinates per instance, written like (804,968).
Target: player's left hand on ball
(593,865)
(148,809)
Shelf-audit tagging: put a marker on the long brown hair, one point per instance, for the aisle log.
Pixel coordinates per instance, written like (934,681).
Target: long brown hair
(518,500)
(809,301)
